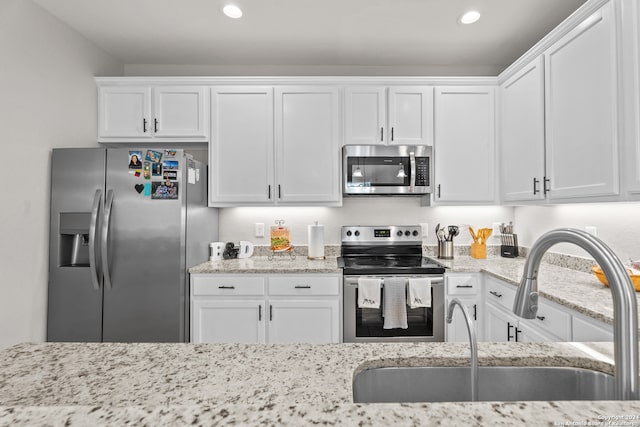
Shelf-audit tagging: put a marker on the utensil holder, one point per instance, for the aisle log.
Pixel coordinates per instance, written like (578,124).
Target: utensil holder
(445,249)
(478,250)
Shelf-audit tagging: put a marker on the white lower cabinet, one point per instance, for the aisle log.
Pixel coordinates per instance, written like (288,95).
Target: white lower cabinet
(254,308)
(466,288)
(553,322)
(308,321)
(215,321)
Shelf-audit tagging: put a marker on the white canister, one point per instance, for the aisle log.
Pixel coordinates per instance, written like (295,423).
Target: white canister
(216,249)
(316,241)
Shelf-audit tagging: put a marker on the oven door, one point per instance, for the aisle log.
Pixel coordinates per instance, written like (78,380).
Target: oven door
(366,324)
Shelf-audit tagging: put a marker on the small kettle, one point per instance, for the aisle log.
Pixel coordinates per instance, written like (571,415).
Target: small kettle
(246,249)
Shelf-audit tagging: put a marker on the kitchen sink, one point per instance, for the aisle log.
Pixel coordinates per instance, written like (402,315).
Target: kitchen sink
(495,383)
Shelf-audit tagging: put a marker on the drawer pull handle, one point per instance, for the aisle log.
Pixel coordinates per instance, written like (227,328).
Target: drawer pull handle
(540,317)
(464,286)
(226,287)
(303,287)
(494,293)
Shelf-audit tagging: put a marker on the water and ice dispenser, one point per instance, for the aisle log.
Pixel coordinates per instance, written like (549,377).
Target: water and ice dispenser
(74,239)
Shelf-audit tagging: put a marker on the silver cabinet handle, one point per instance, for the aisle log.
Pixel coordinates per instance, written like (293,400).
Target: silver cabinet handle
(303,287)
(106,225)
(494,293)
(226,287)
(93,239)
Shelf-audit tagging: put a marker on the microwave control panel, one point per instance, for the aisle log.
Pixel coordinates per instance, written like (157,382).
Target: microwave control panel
(422,171)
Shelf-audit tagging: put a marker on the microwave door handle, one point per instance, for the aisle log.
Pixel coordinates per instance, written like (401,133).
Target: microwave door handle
(412,175)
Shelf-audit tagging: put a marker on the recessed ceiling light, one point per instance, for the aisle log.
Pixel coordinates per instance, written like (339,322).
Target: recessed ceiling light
(232,11)
(470,17)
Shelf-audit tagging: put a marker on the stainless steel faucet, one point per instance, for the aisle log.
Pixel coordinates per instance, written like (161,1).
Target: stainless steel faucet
(472,342)
(625,315)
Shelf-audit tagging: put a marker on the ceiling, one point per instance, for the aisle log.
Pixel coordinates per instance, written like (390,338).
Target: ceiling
(313,32)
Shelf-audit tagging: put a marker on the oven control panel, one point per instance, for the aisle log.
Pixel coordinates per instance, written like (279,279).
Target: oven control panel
(383,234)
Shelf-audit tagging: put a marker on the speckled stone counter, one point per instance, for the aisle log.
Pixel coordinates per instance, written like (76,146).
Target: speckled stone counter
(204,384)
(576,290)
(262,264)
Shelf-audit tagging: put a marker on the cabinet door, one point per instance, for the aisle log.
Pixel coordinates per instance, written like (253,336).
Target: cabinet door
(464,153)
(312,321)
(365,115)
(590,330)
(522,134)
(241,146)
(410,115)
(307,145)
(216,321)
(581,110)
(457,329)
(180,112)
(499,326)
(125,112)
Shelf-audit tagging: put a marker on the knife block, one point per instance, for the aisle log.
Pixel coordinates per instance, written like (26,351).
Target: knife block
(509,247)
(478,250)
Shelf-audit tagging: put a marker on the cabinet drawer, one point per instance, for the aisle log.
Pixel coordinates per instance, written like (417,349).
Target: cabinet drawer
(553,320)
(304,285)
(500,293)
(228,285)
(462,285)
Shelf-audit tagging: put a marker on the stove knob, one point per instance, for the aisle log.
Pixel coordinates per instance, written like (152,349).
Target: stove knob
(399,233)
(357,233)
(415,233)
(407,233)
(349,233)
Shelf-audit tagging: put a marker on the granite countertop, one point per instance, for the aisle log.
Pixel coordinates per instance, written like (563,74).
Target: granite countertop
(262,264)
(296,384)
(571,288)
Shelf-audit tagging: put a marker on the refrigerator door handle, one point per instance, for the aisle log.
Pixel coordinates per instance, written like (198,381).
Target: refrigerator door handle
(105,239)
(93,228)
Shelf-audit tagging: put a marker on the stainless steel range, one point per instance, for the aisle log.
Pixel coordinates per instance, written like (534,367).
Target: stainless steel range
(389,252)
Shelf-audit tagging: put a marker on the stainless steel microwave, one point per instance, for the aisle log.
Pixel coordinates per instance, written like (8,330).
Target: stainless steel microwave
(387,169)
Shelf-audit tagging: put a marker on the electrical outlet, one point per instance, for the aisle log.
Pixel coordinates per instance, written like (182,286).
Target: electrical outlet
(425,229)
(259,229)
(591,229)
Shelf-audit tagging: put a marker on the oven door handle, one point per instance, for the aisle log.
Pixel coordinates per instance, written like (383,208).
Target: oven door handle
(354,281)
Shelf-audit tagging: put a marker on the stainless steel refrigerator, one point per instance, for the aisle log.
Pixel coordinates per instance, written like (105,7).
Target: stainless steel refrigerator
(126,223)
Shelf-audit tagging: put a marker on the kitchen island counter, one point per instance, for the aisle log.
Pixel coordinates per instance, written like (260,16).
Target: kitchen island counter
(169,384)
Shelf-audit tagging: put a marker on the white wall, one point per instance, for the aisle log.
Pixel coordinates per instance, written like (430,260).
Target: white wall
(47,99)
(238,223)
(617,224)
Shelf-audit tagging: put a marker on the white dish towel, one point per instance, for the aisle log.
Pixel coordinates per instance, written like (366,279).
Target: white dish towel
(419,292)
(395,304)
(369,292)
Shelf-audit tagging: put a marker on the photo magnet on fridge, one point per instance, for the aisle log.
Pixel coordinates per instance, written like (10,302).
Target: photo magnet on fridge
(147,189)
(164,190)
(135,159)
(170,175)
(170,153)
(153,156)
(170,164)
(156,169)
(147,170)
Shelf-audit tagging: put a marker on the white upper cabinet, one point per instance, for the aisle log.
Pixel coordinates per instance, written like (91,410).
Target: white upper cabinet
(631,61)
(401,115)
(162,113)
(307,141)
(522,134)
(124,112)
(275,146)
(241,146)
(464,146)
(581,110)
